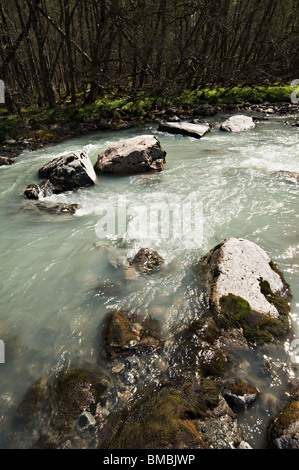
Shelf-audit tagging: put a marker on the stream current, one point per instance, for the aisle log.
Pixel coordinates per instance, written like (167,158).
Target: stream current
(60,276)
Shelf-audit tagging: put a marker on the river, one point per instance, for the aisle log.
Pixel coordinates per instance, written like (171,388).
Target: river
(60,276)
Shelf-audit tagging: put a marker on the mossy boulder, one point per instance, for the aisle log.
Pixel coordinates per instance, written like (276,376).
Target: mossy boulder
(173,416)
(236,312)
(77,390)
(284,431)
(246,290)
(51,409)
(126,333)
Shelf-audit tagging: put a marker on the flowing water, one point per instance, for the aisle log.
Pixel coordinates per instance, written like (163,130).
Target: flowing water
(59,277)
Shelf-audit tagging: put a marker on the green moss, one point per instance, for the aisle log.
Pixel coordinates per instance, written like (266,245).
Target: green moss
(164,418)
(257,327)
(76,390)
(289,415)
(274,268)
(281,304)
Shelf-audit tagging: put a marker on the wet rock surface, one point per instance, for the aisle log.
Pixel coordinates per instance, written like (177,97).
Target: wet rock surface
(136,155)
(146,260)
(57,409)
(125,333)
(284,432)
(185,128)
(239,395)
(43,207)
(69,172)
(6,161)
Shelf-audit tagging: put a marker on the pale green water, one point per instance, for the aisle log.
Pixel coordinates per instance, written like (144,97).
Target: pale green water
(53,269)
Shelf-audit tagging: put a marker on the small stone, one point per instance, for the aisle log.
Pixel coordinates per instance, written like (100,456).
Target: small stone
(118,368)
(146,260)
(32,191)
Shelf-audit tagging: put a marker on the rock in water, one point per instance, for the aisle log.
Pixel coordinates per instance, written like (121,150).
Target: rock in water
(247,290)
(125,333)
(5,161)
(238,123)
(136,155)
(69,172)
(185,128)
(146,260)
(284,431)
(239,394)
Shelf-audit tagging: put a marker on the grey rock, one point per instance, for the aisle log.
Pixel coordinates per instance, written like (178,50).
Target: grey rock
(136,155)
(238,123)
(69,172)
(236,267)
(185,128)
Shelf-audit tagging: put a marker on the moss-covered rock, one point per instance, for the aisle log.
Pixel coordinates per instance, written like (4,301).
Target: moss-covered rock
(125,332)
(235,312)
(50,409)
(35,396)
(284,431)
(165,418)
(243,269)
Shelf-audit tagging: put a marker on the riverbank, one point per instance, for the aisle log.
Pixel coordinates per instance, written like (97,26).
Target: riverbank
(35,127)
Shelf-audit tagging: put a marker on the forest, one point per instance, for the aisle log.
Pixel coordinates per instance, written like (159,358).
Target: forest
(57,50)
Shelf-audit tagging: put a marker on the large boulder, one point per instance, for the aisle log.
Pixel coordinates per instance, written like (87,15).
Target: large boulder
(68,172)
(136,155)
(238,123)
(247,290)
(185,128)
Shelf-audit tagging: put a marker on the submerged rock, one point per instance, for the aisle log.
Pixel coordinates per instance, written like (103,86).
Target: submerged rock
(247,290)
(284,431)
(136,155)
(51,410)
(42,207)
(146,260)
(185,128)
(125,333)
(238,123)
(68,173)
